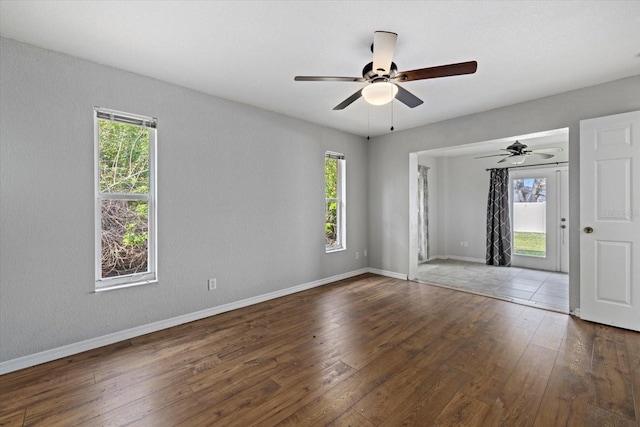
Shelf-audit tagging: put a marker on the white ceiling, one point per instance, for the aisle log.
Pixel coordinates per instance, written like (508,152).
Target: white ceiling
(250,51)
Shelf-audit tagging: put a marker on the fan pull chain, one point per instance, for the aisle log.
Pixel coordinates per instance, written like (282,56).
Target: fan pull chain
(392,115)
(368,121)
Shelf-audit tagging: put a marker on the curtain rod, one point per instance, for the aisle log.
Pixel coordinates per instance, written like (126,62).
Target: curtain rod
(530,166)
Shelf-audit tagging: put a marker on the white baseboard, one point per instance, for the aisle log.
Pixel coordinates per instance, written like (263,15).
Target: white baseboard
(92,343)
(393,274)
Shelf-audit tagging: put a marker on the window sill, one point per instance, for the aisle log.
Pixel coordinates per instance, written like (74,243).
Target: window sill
(125,285)
(332,250)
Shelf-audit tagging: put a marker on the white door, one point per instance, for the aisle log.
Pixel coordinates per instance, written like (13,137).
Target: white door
(534,203)
(610,220)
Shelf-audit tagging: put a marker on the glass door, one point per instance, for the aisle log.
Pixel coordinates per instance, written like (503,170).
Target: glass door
(534,218)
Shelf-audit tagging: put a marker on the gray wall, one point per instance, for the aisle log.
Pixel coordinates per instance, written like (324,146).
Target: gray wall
(240,198)
(389,161)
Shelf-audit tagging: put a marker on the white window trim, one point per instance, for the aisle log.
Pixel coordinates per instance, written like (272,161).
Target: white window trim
(341,199)
(137,279)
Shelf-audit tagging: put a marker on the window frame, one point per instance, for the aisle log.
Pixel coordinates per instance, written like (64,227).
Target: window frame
(340,199)
(151,275)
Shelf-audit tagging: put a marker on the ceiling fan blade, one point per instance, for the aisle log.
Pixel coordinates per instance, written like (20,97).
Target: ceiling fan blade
(328,79)
(439,71)
(547,150)
(384,44)
(493,155)
(542,155)
(407,98)
(348,101)
(503,160)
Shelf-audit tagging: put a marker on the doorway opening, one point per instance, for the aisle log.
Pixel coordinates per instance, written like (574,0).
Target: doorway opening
(455,212)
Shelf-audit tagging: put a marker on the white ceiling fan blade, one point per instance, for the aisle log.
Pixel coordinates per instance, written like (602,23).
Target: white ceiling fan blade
(384,44)
(547,150)
(492,155)
(542,155)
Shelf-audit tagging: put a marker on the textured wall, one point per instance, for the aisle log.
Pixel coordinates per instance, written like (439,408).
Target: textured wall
(240,198)
(389,161)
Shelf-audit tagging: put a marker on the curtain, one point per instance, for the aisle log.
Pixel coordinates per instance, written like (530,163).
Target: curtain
(423,214)
(498,222)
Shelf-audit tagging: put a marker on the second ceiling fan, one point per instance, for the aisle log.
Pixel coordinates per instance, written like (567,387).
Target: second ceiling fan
(517,153)
(383,77)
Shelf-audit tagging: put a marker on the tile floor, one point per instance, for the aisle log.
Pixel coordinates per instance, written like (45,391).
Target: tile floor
(544,289)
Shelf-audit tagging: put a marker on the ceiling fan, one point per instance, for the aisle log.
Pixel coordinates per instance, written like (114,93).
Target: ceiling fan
(518,153)
(382,75)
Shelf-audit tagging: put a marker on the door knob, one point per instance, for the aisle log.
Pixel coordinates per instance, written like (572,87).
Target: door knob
(588,230)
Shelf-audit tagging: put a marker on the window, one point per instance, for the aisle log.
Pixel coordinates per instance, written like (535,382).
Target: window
(530,217)
(334,169)
(125,205)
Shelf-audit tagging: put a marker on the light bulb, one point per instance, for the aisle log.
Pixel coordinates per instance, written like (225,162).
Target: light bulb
(518,159)
(379,93)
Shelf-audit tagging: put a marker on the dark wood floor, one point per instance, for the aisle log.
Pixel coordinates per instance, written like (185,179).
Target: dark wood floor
(367,351)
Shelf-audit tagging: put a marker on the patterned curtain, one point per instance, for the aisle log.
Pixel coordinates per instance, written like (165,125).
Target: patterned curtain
(498,223)
(423,214)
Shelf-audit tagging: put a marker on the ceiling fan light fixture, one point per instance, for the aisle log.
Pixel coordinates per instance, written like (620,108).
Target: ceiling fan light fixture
(379,93)
(518,159)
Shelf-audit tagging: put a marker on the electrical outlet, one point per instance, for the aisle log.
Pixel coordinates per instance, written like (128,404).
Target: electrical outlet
(466,244)
(357,255)
(365,252)
(212,284)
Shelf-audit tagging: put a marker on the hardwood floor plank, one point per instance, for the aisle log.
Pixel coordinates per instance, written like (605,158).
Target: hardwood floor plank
(43,390)
(224,373)
(302,389)
(472,354)
(12,419)
(364,351)
(598,417)
(141,408)
(632,341)
(523,391)
(530,318)
(551,331)
(78,405)
(310,386)
(351,418)
(236,406)
(567,394)
(385,398)
(464,410)
(478,319)
(486,383)
(613,390)
(338,399)
(428,400)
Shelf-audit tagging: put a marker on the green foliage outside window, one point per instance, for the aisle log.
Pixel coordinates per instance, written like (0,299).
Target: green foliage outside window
(124,158)
(124,169)
(331,194)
